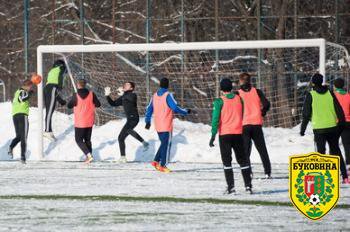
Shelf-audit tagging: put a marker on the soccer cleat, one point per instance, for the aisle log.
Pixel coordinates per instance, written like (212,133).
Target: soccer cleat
(23,161)
(230,190)
(50,136)
(346,181)
(122,160)
(268,176)
(249,189)
(88,159)
(163,169)
(10,153)
(145,146)
(155,164)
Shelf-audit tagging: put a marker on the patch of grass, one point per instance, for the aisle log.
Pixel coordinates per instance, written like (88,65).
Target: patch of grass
(154,199)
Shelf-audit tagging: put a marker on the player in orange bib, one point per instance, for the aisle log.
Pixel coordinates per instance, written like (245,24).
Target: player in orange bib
(227,119)
(343,98)
(255,107)
(84,103)
(163,106)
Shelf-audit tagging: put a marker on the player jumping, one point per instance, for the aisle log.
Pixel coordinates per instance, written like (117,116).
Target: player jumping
(255,107)
(20,112)
(163,106)
(84,103)
(51,94)
(227,119)
(129,102)
(327,117)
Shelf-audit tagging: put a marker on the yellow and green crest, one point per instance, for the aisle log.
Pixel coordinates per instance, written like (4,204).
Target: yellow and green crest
(314,183)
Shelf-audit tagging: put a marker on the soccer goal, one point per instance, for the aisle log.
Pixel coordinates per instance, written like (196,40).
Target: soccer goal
(281,68)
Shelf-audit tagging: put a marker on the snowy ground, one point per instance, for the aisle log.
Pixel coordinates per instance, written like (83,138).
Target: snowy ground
(105,196)
(189,144)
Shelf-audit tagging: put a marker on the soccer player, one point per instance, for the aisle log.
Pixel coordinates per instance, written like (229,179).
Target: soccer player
(52,94)
(20,112)
(327,118)
(128,100)
(255,107)
(227,119)
(163,106)
(343,98)
(84,103)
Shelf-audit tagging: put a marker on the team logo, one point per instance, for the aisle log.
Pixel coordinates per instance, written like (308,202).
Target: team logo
(314,183)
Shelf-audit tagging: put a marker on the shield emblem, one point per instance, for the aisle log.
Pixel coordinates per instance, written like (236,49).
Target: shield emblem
(314,183)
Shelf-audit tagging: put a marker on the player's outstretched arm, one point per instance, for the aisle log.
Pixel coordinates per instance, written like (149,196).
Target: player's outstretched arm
(173,105)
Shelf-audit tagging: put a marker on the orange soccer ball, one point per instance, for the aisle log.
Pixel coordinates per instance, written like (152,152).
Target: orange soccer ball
(36,79)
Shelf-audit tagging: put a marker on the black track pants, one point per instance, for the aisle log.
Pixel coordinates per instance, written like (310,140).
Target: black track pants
(345,138)
(83,139)
(50,93)
(128,129)
(235,142)
(21,124)
(332,138)
(255,133)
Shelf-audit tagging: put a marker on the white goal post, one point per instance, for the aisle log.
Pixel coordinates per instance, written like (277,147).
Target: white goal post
(319,44)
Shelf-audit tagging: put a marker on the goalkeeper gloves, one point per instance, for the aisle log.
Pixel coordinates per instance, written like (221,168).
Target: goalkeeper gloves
(120,91)
(107,91)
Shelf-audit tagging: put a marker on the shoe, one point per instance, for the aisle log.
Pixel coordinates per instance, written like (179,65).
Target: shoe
(230,190)
(50,136)
(346,181)
(268,176)
(145,146)
(23,161)
(88,159)
(155,164)
(122,160)
(249,189)
(10,153)
(163,169)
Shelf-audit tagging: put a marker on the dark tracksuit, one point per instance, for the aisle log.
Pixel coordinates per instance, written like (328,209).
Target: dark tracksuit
(165,137)
(20,121)
(255,133)
(83,135)
(52,95)
(325,135)
(129,103)
(229,142)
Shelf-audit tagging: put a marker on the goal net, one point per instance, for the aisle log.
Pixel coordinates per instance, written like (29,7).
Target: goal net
(281,68)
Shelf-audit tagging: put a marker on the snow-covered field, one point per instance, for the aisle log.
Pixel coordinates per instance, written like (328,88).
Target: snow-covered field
(190,141)
(71,196)
(105,196)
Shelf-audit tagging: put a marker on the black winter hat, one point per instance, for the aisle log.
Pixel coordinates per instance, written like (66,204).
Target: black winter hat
(164,83)
(59,63)
(339,83)
(226,85)
(317,79)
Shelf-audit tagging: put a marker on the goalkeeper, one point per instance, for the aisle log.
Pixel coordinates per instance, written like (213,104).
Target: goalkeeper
(127,99)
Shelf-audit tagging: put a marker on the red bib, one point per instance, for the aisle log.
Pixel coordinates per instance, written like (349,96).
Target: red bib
(231,116)
(163,115)
(344,100)
(84,111)
(252,107)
